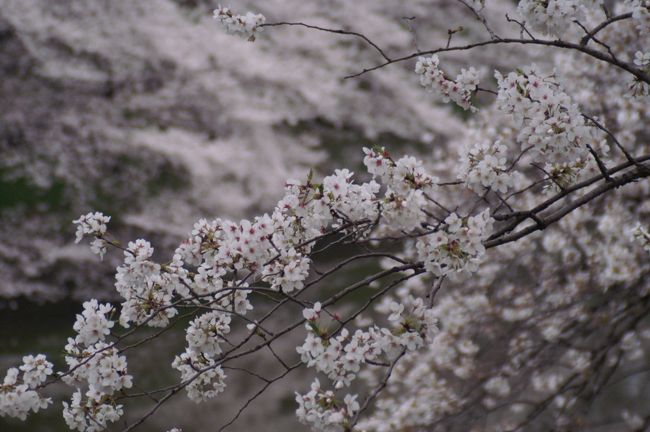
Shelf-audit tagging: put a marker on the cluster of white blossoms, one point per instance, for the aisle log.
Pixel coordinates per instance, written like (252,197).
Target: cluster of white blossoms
(85,415)
(98,367)
(92,363)
(92,325)
(288,271)
(146,289)
(247,26)
(407,187)
(93,224)
(449,353)
(549,121)
(457,246)
(19,392)
(206,333)
(274,247)
(459,91)
(554,16)
(414,324)
(352,201)
(341,356)
(204,336)
(35,370)
(483,165)
(104,371)
(206,376)
(323,412)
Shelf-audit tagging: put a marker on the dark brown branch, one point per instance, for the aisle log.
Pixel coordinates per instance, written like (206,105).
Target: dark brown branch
(377,390)
(599,55)
(566,192)
(479,17)
(256,395)
(600,163)
(590,35)
(560,213)
(328,30)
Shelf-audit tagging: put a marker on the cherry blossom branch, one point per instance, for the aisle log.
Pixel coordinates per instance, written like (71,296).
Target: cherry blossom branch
(521,216)
(257,394)
(372,396)
(479,17)
(590,35)
(638,73)
(544,222)
(329,30)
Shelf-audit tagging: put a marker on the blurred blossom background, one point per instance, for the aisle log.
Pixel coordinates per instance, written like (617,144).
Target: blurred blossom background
(148,112)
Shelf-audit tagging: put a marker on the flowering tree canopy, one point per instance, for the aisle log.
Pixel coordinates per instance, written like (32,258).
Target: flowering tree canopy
(511,282)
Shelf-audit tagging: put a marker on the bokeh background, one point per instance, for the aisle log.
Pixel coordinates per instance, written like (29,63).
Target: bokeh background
(145,110)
